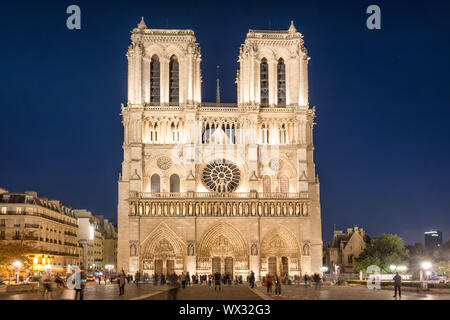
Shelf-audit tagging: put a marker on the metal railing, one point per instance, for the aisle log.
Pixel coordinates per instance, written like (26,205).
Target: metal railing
(39,215)
(31,225)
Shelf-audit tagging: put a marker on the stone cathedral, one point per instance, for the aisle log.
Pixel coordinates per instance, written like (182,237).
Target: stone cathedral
(218,187)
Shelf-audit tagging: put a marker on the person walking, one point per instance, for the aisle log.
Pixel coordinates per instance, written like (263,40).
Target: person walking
(277,285)
(183,280)
(137,278)
(122,283)
(306,279)
(188,279)
(269,283)
(217,281)
(317,281)
(397,285)
(79,285)
(173,282)
(47,285)
(252,279)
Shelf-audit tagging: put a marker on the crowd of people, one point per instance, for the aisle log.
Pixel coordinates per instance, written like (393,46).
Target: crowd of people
(216,280)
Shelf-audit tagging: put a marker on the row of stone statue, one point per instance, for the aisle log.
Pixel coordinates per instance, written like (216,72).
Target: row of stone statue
(212,208)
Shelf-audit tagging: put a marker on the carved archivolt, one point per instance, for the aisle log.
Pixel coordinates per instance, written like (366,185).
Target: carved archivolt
(279,242)
(162,243)
(222,239)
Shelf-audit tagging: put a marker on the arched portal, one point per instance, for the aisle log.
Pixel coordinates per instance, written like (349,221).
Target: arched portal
(280,252)
(222,247)
(162,252)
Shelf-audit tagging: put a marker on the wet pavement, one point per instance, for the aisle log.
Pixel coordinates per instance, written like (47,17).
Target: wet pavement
(94,291)
(300,292)
(201,292)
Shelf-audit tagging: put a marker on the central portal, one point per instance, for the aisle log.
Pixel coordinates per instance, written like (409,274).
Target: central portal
(272,266)
(229,267)
(216,265)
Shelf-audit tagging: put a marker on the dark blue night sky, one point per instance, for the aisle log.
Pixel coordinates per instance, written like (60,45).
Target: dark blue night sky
(382,97)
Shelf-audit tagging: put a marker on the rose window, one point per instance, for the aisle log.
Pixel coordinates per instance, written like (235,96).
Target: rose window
(221,176)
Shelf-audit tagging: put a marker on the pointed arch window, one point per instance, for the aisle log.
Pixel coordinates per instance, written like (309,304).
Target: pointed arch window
(284,184)
(174,82)
(154,80)
(281,83)
(264,82)
(155,182)
(174,183)
(266,184)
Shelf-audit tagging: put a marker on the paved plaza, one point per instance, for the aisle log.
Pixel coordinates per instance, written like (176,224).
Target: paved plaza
(300,292)
(94,291)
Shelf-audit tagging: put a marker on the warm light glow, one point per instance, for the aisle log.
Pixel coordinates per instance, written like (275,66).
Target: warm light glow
(393,267)
(402,268)
(91,232)
(428,273)
(17,264)
(426,265)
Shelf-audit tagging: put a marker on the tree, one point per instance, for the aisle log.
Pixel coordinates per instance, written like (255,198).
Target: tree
(383,251)
(443,268)
(10,252)
(417,253)
(443,253)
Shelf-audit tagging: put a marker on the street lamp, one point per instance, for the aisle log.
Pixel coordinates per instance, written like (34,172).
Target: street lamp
(17,264)
(393,267)
(425,266)
(109,267)
(402,268)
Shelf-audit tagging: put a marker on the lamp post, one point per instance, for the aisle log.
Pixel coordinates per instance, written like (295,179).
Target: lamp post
(425,266)
(109,267)
(17,264)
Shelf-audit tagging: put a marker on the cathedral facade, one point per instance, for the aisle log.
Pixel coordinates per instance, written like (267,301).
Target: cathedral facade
(218,187)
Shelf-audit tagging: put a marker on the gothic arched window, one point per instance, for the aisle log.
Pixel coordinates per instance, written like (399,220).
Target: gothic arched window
(156,185)
(174,84)
(154,81)
(264,82)
(174,183)
(266,184)
(284,184)
(281,82)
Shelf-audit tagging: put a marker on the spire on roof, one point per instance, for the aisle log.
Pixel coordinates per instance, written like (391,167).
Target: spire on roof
(218,88)
(292,28)
(142,24)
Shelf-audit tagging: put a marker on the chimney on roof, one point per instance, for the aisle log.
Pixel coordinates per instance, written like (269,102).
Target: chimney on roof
(31,193)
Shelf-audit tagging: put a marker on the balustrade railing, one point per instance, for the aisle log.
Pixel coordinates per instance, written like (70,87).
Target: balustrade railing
(215,195)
